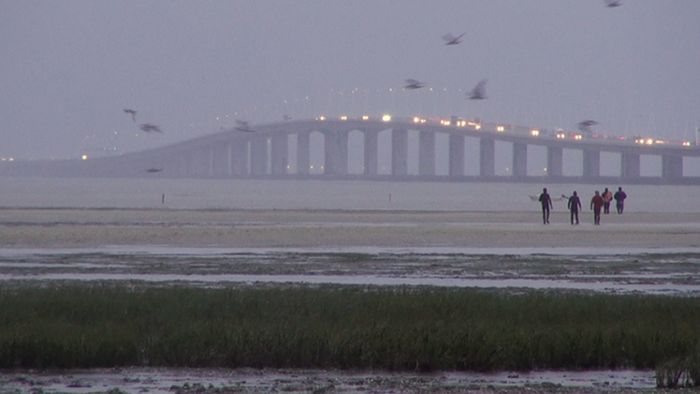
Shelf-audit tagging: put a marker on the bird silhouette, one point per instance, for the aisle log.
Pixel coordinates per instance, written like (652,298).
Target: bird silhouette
(585,125)
(132,112)
(243,125)
(148,127)
(412,84)
(452,40)
(613,3)
(154,170)
(479,91)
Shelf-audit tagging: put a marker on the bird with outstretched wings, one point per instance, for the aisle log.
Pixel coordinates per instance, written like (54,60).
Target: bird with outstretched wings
(452,40)
(479,91)
(149,127)
(412,84)
(131,112)
(585,126)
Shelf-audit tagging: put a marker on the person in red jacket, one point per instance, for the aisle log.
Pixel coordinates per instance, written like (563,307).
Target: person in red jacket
(596,204)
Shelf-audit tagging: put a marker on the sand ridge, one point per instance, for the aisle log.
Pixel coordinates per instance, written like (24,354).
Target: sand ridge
(50,228)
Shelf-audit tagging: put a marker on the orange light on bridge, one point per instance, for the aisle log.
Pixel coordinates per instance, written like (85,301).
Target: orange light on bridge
(321,118)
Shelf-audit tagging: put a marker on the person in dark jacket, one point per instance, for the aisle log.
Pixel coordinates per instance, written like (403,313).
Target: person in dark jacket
(546,202)
(620,197)
(574,206)
(596,204)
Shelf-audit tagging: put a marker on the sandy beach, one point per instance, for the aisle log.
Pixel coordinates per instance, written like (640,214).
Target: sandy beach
(80,228)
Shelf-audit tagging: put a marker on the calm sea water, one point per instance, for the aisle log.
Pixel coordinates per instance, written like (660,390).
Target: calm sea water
(316,194)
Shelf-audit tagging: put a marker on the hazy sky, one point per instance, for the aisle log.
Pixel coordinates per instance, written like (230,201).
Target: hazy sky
(68,68)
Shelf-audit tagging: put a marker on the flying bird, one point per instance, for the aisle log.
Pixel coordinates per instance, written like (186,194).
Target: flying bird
(243,125)
(613,3)
(412,84)
(585,125)
(479,91)
(452,40)
(132,112)
(148,127)
(154,170)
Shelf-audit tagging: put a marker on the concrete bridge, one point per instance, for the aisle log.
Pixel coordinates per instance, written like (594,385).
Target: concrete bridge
(265,153)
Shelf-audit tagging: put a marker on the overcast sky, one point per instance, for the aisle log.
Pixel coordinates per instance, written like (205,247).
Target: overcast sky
(68,68)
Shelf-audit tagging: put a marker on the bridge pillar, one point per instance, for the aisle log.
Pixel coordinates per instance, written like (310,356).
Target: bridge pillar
(456,156)
(371,152)
(519,159)
(303,153)
(399,152)
(555,161)
(671,167)
(258,155)
(336,155)
(630,165)
(591,163)
(280,154)
(239,157)
(487,157)
(426,153)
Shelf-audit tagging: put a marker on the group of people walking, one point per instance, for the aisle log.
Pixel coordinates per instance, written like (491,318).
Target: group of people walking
(598,202)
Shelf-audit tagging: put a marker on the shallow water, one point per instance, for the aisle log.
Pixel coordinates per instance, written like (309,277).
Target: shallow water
(140,380)
(603,270)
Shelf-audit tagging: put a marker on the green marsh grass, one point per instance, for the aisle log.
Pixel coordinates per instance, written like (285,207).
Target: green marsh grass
(342,327)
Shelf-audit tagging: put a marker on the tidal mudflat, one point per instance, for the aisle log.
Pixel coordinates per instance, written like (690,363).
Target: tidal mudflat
(646,253)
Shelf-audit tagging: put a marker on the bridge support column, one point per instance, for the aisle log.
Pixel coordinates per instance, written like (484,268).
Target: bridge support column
(258,155)
(280,154)
(591,163)
(555,161)
(303,153)
(336,155)
(399,152)
(371,152)
(519,159)
(671,167)
(487,157)
(239,157)
(630,165)
(426,153)
(456,156)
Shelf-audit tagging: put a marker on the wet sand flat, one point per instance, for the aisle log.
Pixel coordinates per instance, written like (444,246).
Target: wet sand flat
(51,228)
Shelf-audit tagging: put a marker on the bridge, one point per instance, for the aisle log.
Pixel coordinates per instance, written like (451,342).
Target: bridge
(284,151)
